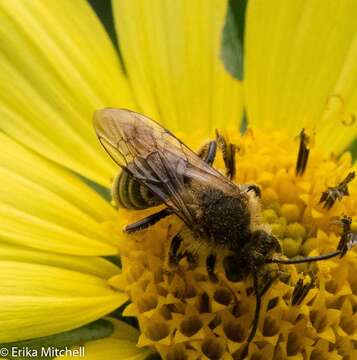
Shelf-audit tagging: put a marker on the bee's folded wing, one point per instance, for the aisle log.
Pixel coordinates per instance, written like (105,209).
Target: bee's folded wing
(155,157)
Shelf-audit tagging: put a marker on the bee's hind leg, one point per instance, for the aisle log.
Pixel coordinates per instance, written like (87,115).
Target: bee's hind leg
(148,221)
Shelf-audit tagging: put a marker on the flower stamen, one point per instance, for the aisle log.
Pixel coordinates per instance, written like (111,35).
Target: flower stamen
(215,318)
(348,237)
(303,154)
(332,194)
(302,288)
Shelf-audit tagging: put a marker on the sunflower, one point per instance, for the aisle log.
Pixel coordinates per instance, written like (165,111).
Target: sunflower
(70,276)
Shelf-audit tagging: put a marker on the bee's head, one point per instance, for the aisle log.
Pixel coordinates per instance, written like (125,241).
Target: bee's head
(264,243)
(254,253)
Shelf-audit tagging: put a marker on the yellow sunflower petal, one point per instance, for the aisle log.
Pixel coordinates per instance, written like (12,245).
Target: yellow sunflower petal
(120,345)
(21,228)
(124,331)
(20,160)
(58,66)
(301,68)
(172,53)
(40,300)
(111,348)
(88,265)
(46,207)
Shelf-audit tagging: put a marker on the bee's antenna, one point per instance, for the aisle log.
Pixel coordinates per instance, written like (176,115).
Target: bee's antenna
(347,241)
(306,259)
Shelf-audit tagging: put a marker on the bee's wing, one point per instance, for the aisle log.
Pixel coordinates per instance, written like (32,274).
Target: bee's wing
(155,157)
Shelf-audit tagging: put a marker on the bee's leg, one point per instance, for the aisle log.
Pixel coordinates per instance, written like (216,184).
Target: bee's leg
(267,284)
(229,153)
(148,221)
(210,266)
(174,255)
(257,307)
(251,187)
(269,277)
(255,322)
(208,152)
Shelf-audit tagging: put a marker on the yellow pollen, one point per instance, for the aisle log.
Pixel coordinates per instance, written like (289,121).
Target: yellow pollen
(270,216)
(291,247)
(291,212)
(183,315)
(296,231)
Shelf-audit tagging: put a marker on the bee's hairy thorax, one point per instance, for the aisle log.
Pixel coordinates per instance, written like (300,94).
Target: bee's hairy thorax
(223,219)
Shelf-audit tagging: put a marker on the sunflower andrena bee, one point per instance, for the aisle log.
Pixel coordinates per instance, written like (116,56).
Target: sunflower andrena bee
(217,214)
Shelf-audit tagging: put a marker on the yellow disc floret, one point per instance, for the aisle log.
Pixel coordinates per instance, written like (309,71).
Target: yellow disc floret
(309,313)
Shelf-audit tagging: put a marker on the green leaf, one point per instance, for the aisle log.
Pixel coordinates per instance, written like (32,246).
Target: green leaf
(353,149)
(96,330)
(103,9)
(232,45)
(101,190)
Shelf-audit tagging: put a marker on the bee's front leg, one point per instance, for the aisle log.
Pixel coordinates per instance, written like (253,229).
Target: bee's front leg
(211,261)
(268,277)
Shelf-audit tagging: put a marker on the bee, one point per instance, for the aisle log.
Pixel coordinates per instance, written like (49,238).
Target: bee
(224,217)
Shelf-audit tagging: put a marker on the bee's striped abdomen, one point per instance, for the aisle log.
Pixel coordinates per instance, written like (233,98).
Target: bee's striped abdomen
(131,194)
